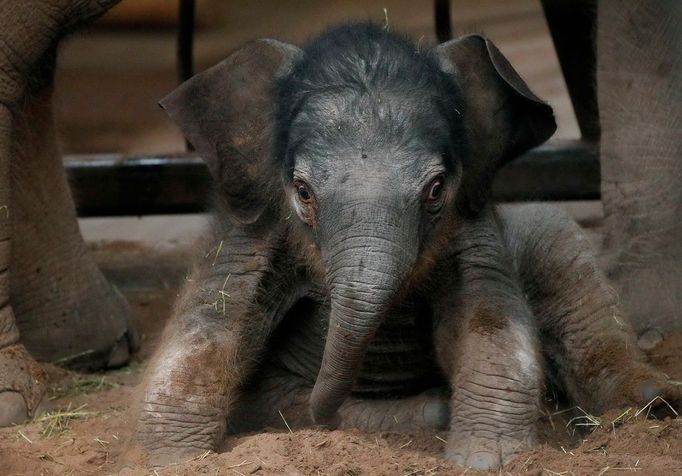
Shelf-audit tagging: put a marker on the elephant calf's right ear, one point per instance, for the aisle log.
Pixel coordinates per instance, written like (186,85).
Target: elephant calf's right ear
(226,112)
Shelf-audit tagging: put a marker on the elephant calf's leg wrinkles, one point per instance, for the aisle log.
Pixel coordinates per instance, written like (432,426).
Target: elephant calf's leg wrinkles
(487,347)
(212,344)
(496,380)
(586,336)
(188,392)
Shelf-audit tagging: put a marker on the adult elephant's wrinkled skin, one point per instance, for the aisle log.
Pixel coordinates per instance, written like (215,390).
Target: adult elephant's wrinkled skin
(357,274)
(639,81)
(55,304)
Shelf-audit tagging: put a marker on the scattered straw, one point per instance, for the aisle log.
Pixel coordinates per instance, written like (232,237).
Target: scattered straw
(72,357)
(102,442)
(89,384)
(24,436)
(83,384)
(412,473)
(585,420)
(217,253)
(202,456)
(441,439)
(285,421)
(243,463)
(58,422)
(555,473)
(622,418)
(647,407)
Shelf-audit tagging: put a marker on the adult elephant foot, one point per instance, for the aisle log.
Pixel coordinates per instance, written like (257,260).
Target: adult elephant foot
(67,312)
(22,386)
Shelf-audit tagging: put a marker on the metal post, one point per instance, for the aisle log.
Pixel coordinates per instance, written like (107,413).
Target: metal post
(573,24)
(185,45)
(441,10)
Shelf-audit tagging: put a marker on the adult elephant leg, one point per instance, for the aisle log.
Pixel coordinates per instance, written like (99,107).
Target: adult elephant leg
(63,305)
(28,34)
(585,336)
(640,103)
(22,381)
(66,310)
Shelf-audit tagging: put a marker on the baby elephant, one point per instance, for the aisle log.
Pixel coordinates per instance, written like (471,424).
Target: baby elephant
(357,275)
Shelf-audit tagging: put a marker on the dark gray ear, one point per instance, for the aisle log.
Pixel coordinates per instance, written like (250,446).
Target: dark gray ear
(226,112)
(503,118)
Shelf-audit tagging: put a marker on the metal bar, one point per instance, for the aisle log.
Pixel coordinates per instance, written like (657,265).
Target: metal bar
(185,45)
(185,41)
(561,170)
(115,185)
(572,24)
(441,11)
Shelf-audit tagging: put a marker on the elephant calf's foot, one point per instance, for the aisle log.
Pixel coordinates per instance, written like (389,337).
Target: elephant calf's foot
(428,410)
(638,387)
(22,386)
(484,452)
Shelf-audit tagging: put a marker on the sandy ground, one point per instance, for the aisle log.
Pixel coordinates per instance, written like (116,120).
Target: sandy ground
(86,432)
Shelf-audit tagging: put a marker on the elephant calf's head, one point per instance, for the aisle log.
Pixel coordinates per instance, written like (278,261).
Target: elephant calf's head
(374,144)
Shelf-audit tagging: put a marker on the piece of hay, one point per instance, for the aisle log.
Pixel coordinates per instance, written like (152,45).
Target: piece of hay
(58,422)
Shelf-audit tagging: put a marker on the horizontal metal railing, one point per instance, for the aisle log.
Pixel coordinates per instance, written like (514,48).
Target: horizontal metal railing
(115,184)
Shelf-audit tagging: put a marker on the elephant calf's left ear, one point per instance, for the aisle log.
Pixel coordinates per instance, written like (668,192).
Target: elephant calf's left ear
(503,117)
(226,112)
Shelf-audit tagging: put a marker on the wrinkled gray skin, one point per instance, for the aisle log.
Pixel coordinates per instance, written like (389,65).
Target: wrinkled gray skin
(333,274)
(640,100)
(54,301)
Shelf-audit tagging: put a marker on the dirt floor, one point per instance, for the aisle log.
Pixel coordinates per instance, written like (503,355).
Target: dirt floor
(86,431)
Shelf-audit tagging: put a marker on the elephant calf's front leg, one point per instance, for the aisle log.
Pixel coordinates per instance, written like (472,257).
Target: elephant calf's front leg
(220,327)
(488,348)
(496,380)
(187,394)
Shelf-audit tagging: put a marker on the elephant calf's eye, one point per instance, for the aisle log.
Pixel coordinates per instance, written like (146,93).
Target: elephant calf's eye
(303,192)
(436,189)
(304,202)
(434,194)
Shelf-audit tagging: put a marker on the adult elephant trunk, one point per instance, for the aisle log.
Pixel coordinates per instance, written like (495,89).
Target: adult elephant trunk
(366,268)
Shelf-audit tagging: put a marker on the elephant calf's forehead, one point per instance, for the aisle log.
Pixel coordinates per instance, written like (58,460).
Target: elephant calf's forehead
(381,119)
(360,83)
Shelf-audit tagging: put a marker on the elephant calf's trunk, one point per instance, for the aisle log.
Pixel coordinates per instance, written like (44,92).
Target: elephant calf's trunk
(358,307)
(341,362)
